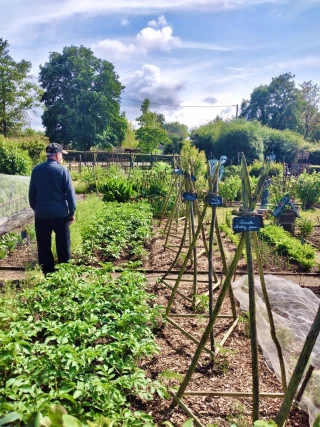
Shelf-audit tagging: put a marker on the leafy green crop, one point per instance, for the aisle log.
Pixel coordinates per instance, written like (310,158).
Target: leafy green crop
(75,339)
(285,244)
(117,190)
(10,241)
(120,227)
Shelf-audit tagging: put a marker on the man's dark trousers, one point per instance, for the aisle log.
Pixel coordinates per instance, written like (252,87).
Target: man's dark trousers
(44,228)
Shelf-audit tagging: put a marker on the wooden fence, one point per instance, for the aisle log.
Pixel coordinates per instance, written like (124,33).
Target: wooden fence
(76,159)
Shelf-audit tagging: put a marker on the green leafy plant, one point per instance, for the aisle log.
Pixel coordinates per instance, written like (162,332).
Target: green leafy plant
(285,244)
(75,339)
(117,190)
(305,227)
(120,227)
(230,188)
(308,188)
(13,160)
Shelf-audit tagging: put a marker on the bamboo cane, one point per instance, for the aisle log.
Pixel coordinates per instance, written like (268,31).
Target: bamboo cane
(185,262)
(212,320)
(298,371)
(270,316)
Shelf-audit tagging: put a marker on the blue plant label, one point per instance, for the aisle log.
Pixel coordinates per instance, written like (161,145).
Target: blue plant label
(193,178)
(23,234)
(214,200)
(177,171)
(245,223)
(189,197)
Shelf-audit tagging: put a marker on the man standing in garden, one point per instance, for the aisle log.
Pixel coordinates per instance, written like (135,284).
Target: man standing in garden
(52,197)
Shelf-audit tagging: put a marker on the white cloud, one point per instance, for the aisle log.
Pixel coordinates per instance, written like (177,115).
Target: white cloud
(158,24)
(114,49)
(148,83)
(124,22)
(146,40)
(150,39)
(207,46)
(17,13)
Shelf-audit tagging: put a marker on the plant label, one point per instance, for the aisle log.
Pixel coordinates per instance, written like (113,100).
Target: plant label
(189,197)
(23,234)
(177,172)
(214,200)
(245,223)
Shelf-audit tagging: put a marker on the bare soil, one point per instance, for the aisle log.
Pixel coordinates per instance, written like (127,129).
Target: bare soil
(232,368)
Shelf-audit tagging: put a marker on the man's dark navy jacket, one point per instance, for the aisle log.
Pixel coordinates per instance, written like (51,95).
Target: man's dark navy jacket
(51,194)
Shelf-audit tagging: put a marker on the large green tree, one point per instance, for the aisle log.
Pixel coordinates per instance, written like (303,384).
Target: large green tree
(17,93)
(310,95)
(82,99)
(151,132)
(277,105)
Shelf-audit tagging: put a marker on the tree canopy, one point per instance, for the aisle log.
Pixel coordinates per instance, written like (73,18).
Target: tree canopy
(82,99)
(276,105)
(151,132)
(17,93)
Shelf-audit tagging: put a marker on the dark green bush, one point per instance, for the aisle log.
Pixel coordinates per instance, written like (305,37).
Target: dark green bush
(13,160)
(34,148)
(308,188)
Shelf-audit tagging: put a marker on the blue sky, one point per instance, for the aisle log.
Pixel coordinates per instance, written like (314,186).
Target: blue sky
(181,52)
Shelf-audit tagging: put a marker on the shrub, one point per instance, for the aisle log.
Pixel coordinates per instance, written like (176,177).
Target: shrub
(308,188)
(230,138)
(275,169)
(314,156)
(34,148)
(230,188)
(282,143)
(13,160)
(231,170)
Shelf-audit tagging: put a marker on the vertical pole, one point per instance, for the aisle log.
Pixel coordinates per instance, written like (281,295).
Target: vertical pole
(212,320)
(298,371)
(195,267)
(253,329)
(237,110)
(270,316)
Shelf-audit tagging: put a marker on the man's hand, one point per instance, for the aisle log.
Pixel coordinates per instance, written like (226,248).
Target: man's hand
(71,219)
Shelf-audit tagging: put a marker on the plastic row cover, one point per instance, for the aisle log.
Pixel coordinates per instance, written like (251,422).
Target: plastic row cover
(14,206)
(13,194)
(294,310)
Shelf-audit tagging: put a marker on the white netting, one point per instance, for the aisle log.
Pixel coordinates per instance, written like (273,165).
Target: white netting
(294,310)
(14,206)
